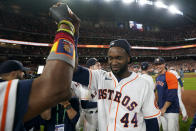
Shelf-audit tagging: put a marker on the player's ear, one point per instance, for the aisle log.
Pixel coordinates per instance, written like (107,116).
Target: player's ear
(129,59)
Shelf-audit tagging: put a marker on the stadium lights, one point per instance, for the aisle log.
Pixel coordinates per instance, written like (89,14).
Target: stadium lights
(174,10)
(159,4)
(127,1)
(107,0)
(143,2)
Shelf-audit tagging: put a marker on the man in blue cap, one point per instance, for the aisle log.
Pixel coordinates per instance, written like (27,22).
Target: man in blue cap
(12,69)
(168,102)
(145,75)
(125,100)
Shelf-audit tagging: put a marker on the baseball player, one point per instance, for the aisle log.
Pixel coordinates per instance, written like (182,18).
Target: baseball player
(21,100)
(125,101)
(12,69)
(89,117)
(144,74)
(167,86)
(182,107)
(181,73)
(136,69)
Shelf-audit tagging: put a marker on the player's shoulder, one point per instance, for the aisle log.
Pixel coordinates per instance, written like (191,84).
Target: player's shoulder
(99,72)
(140,79)
(142,84)
(169,74)
(146,75)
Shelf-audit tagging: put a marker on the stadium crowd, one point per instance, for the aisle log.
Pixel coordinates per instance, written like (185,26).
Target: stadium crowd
(44,27)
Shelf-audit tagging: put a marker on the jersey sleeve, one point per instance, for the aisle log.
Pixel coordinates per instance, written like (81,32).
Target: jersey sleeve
(175,73)
(172,82)
(172,85)
(149,108)
(94,79)
(82,75)
(23,92)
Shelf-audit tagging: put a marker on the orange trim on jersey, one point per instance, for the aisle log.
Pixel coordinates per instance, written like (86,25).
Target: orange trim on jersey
(90,71)
(153,115)
(84,98)
(114,81)
(111,100)
(171,80)
(119,103)
(5,106)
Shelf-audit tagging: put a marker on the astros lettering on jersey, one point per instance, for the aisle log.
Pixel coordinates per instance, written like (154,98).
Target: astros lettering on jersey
(123,105)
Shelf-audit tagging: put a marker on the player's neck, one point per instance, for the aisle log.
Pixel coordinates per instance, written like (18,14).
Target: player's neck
(163,71)
(123,75)
(144,72)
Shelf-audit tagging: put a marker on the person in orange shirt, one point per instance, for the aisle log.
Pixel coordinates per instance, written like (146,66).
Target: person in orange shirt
(167,91)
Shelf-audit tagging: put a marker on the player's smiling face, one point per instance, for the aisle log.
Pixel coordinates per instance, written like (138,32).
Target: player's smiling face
(118,60)
(160,68)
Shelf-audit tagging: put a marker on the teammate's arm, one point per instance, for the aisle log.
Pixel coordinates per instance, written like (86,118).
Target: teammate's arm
(73,111)
(165,106)
(150,110)
(53,86)
(181,84)
(81,75)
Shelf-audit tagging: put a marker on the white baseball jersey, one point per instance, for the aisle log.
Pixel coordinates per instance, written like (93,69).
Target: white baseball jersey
(123,106)
(149,79)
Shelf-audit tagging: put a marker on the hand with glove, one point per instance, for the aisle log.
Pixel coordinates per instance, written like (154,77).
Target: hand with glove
(62,14)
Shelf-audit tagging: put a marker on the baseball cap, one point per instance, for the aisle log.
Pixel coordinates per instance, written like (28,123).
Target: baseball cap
(91,62)
(159,60)
(122,43)
(11,65)
(144,65)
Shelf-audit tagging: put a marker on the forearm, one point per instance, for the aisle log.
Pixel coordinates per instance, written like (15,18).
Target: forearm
(51,84)
(180,81)
(71,113)
(166,105)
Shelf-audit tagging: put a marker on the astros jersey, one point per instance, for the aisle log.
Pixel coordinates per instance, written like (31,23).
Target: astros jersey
(149,79)
(122,105)
(167,86)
